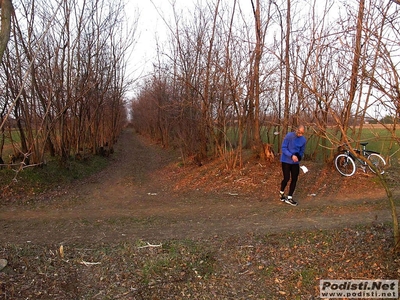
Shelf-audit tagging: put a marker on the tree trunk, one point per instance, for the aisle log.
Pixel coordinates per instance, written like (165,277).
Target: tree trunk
(354,68)
(287,71)
(6,12)
(255,88)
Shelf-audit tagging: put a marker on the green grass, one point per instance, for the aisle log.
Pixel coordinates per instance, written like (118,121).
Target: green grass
(174,259)
(308,275)
(379,139)
(34,180)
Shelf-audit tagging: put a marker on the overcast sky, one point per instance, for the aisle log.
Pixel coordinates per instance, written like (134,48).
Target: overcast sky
(151,27)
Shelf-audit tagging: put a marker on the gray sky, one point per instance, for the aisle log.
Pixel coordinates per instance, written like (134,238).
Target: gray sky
(151,27)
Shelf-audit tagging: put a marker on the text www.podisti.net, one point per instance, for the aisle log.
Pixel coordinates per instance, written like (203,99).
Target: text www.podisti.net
(377,289)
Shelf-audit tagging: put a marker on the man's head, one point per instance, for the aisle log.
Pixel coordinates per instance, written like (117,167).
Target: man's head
(300,130)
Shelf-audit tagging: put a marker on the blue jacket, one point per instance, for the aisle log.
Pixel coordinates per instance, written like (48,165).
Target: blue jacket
(292,145)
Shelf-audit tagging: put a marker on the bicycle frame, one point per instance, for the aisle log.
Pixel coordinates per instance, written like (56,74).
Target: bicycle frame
(364,152)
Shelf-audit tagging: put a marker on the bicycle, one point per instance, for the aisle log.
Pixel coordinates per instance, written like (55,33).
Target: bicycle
(345,162)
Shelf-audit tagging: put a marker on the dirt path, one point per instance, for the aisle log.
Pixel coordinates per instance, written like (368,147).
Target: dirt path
(136,198)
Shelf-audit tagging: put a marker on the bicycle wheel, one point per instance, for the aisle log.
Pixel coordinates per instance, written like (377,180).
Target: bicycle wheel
(345,165)
(378,162)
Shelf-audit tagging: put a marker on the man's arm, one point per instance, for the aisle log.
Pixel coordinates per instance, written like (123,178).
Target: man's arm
(285,145)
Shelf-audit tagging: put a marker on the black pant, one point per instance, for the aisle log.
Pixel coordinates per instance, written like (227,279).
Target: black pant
(290,170)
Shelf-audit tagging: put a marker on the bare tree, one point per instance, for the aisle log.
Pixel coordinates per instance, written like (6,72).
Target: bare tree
(354,79)
(286,111)
(67,84)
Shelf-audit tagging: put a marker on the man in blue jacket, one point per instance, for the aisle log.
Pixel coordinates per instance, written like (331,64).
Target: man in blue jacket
(293,147)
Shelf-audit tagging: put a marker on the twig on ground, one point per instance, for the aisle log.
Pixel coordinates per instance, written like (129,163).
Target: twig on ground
(86,263)
(150,246)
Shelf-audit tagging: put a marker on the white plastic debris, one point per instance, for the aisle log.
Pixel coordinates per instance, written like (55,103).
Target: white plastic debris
(304,169)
